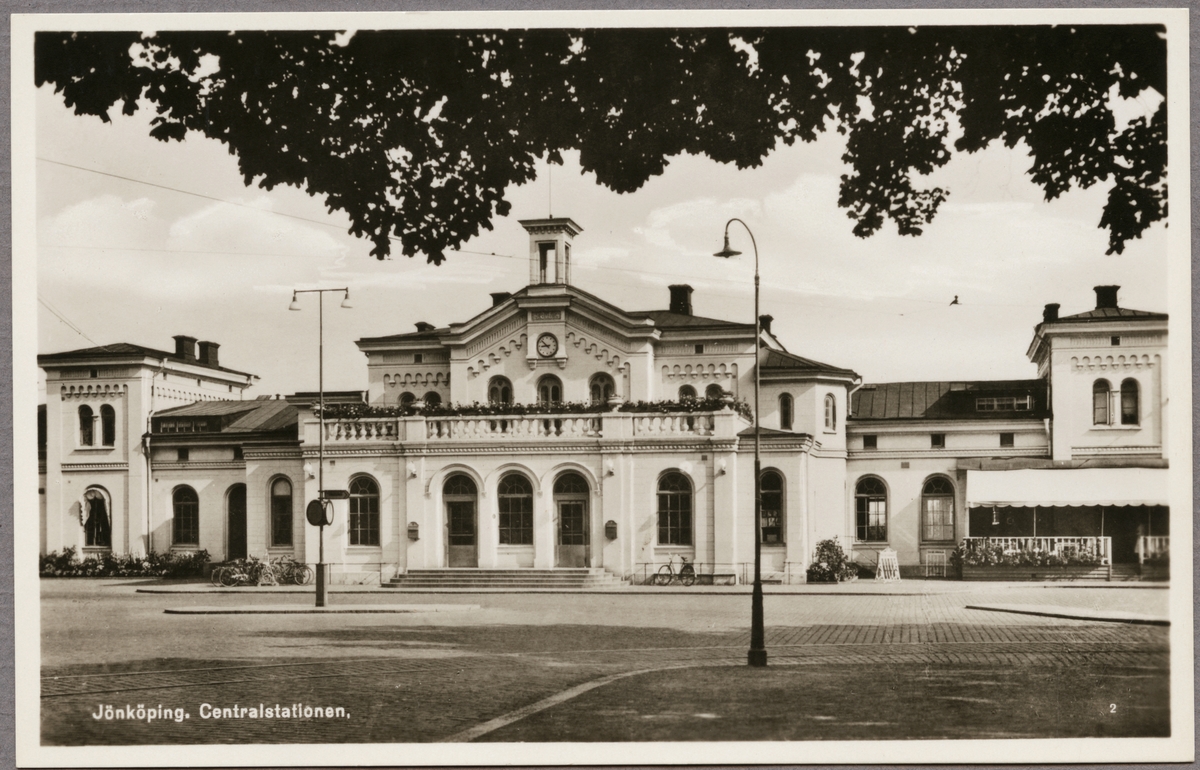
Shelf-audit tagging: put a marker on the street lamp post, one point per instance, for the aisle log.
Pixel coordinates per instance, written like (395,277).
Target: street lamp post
(322,569)
(757,656)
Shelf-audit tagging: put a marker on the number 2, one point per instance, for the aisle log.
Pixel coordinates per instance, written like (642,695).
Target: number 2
(1112,708)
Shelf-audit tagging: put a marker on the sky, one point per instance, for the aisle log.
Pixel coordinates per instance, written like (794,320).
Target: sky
(139,240)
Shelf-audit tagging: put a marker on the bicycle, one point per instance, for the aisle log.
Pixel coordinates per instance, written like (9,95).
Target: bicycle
(666,573)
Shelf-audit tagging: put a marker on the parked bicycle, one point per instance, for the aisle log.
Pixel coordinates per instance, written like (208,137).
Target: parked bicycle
(253,571)
(666,573)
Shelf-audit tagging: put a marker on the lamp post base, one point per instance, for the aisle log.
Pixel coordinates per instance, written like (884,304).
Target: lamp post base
(322,583)
(757,658)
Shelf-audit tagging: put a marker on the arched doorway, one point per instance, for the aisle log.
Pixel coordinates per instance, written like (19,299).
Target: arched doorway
(571,505)
(461,495)
(97,525)
(235,506)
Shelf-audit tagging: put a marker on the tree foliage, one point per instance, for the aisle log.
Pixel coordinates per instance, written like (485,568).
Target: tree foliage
(416,134)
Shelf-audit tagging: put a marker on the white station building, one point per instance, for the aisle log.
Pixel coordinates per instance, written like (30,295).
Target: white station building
(555,430)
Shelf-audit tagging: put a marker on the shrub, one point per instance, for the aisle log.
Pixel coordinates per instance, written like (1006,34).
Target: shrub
(992,553)
(830,564)
(67,564)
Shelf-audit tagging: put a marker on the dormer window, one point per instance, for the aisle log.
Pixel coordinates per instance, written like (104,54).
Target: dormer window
(1004,404)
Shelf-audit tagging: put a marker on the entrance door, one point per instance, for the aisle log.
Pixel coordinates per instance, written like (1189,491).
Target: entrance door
(461,536)
(573,534)
(237,522)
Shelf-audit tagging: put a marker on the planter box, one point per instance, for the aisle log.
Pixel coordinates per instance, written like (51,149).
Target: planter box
(1036,573)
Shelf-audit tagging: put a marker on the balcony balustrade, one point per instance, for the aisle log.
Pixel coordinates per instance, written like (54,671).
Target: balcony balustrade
(1153,547)
(529,427)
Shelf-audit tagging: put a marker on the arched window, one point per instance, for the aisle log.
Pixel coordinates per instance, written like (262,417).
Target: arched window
(714,391)
(97,527)
(459,486)
(686,392)
(570,484)
(364,511)
(1100,390)
(1130,413)
(108,425)
(549,390)
(406,398)
(870,511)
(515,496)
(432,398)
(499,391)
(674,510)
(281,512)
(785,412)
(770,489)
(185,528)
(830,412)
(937,509)
(602,388)
(87,423)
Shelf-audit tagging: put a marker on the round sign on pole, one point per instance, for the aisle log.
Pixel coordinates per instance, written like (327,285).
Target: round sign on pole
(328,512)
(315,513)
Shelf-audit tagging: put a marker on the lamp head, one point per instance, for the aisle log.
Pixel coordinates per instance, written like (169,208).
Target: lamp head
(727,252)
(346,303)
(295,302)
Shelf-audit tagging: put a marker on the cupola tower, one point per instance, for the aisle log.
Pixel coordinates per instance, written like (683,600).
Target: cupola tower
(550,249)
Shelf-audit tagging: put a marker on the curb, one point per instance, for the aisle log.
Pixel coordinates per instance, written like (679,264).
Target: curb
(1073,613)
(343,609)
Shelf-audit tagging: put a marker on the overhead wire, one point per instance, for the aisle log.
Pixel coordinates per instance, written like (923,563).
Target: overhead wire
(635,271)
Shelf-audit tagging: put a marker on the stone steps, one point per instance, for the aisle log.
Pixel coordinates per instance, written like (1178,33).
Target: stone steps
(460,578)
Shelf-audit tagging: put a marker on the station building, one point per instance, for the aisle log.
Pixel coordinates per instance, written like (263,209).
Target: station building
(556,430)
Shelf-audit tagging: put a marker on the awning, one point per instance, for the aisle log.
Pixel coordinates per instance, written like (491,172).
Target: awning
(1027,488)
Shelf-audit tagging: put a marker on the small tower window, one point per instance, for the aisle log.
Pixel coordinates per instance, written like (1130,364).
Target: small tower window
(1129,403)
(785,411)
(545,254)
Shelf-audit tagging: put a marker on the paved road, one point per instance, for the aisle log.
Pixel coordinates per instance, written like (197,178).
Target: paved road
(438,676)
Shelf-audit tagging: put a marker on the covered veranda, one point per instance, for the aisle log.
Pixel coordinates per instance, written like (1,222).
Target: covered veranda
(1120,512)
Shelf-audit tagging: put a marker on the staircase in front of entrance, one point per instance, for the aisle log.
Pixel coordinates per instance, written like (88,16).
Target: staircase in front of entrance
(563,579)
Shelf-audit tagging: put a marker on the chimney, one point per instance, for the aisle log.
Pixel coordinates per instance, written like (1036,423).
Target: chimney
(500,296)
(424,327)
(208,353)
(681,299)
(1050,313)
(185,347)
(764,321)
(1106,296)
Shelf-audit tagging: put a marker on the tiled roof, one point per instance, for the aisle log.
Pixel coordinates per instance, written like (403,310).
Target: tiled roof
(779,361)
(260,416)
(665,319)
(1109,313)
(124,350)
(945,400)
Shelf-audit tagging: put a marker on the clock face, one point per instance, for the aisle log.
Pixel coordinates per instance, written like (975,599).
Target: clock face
(547,345)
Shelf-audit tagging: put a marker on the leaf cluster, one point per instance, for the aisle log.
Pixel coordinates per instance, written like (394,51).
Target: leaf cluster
(417,134)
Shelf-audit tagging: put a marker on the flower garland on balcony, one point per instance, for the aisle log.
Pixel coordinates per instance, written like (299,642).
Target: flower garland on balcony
(688,405)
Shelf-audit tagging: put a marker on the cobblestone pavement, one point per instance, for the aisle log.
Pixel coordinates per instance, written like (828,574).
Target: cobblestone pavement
(429,677)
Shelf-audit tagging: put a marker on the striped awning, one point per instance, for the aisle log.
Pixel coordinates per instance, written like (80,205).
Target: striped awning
(1027,488)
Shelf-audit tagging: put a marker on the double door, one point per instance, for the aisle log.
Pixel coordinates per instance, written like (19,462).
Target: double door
(462,534)
(573,540)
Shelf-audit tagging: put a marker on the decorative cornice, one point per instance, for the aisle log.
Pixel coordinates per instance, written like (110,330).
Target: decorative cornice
(1109,362)
(77,467)
(97,390)
(949,454)
(1115,450)
(198,465)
